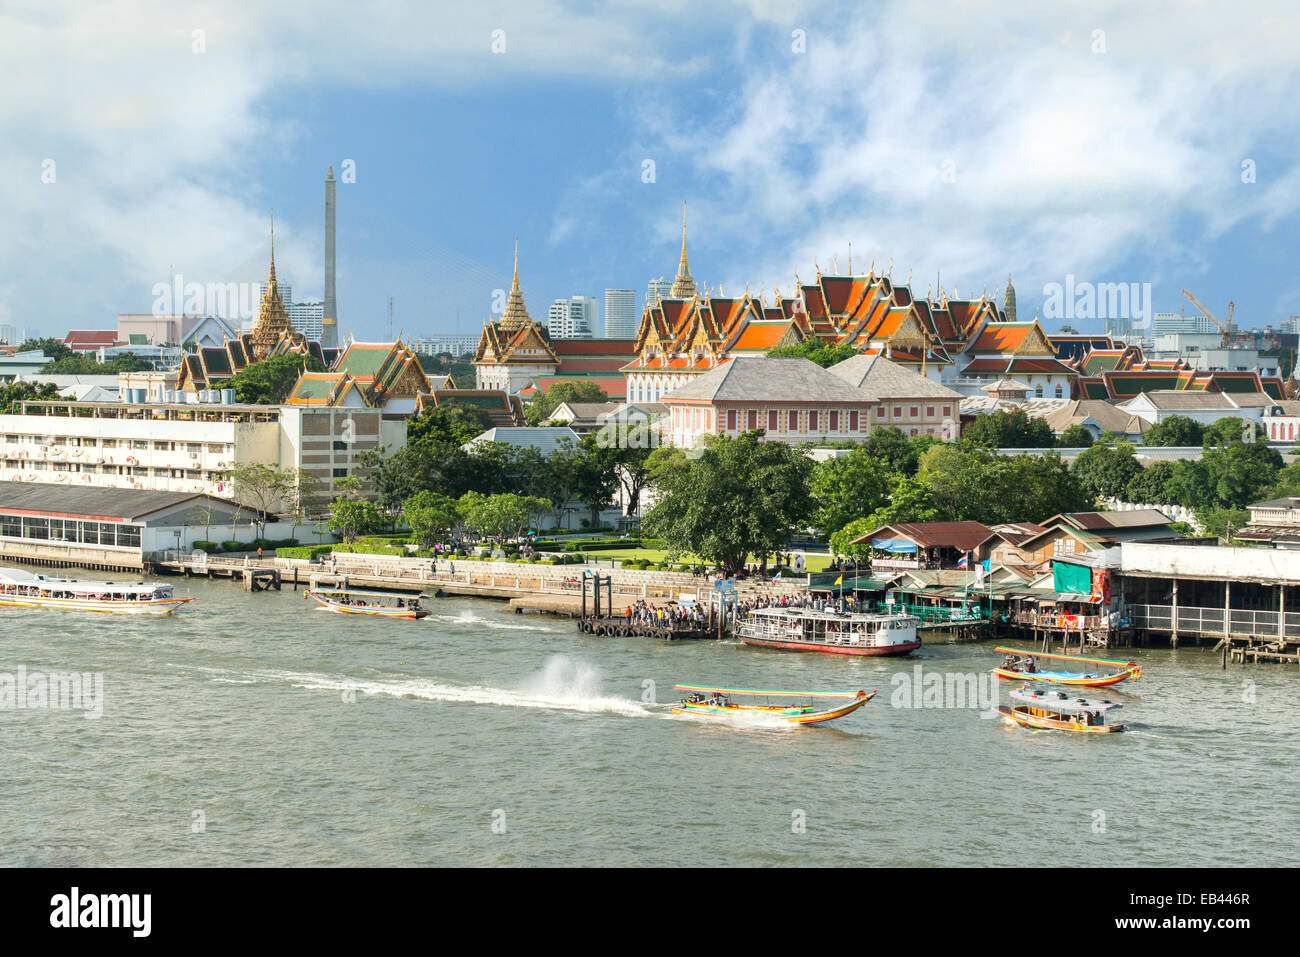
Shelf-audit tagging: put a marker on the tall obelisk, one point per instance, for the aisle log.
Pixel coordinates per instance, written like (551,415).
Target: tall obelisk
(329,336)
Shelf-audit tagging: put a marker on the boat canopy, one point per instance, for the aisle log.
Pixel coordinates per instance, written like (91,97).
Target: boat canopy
(1061,702)
(1078,658)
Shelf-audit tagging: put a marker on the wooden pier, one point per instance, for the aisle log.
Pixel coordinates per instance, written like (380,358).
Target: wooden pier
(255,575)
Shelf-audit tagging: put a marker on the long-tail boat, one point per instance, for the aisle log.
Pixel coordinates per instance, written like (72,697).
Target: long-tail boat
(1023,666)
(1057,711)
(26,589)
(352,601)
(797,707)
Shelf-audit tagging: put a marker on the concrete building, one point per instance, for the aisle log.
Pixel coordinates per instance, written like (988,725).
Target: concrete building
(21,363)
(114,528)
(186,447)
(1203,407)
(793,400)
(307,317)
(657,289)
(330,307)
(906,400)
(574,318)
(621,316)
(1170,323)
(457,344)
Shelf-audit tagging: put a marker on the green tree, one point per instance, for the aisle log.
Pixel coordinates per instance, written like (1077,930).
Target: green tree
(431,516)
(1012,429)
(909,501)
(848,487)
(1177,430)
(16,392)
(1221,522)
(737,497)
(814,350)
(350,514)
(841,541)
(890,445)
(1151,485)
(261,489)
(572,390)
(1075,437)
(1106,470)
(54,349)
(455,424)
(270,381)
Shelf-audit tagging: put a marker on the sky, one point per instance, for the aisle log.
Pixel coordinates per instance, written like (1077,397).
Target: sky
(956,144)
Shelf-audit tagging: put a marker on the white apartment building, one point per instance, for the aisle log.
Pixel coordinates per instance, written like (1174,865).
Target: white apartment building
(621,317)
(657,289)
(307,317)
(184,447)
(454,343)
(573,318)
(1170,323)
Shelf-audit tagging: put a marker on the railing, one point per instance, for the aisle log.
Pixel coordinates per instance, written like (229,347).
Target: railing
(937,613)
(1210,621)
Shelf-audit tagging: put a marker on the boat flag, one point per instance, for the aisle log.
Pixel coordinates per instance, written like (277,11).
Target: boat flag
(776,577)
(961,562)
(840,580)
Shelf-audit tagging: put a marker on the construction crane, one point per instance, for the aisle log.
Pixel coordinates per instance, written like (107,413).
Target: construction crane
(1224,328)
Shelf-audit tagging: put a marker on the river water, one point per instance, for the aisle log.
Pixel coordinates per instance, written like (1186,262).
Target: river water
(257,730)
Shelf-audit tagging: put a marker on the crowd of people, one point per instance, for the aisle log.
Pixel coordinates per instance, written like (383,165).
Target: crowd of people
(665,616)
(839,604)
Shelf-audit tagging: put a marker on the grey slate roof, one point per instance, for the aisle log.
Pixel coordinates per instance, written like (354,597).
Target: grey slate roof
(881,379)
(758,379)
(545,439)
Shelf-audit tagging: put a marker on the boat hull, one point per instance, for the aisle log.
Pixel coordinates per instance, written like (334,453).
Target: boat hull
(380,611)
(153,606)
(1065,678)
(905,648)
(1023,717)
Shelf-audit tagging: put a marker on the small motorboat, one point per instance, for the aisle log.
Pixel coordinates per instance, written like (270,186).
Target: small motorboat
(1024,666)
(350,601)
(1056,711)
(797,707)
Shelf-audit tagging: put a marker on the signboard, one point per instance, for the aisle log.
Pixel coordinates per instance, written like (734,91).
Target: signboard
(725,585)
(894,563)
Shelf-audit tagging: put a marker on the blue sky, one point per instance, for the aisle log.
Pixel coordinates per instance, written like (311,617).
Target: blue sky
(973,141)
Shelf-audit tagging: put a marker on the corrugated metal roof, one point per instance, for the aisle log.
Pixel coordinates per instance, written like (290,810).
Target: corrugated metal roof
(124,503)
(961,535)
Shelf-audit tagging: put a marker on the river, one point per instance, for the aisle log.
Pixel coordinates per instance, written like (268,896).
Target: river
(257,730)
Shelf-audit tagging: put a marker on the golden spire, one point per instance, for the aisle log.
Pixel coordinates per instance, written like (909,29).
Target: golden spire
(272,318)
(683,283)
(516,312)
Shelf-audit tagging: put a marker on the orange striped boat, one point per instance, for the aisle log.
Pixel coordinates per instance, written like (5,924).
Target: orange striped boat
(801,707)
(1023,666)
(1057,711)
(349,601)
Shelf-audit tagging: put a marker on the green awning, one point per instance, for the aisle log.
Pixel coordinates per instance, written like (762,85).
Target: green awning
(1068,578)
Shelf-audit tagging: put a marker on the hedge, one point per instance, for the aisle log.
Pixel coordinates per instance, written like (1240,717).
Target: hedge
(309,553)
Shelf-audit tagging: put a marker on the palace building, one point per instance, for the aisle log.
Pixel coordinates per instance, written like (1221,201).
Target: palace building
(516,355)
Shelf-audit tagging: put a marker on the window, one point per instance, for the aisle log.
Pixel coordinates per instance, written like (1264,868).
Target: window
(731,420)
(773,420)
(751,417)
(880,412)
(812,421)
(139,444)
(853,422)
(915,411)
(898,411)
(929,412)
(1060,392)
(340,473)
(343,446)
(162,446)
(1038,391)
(109,443)
(11,526)
(835,422)
(128,536)
(947,411)
(792,421)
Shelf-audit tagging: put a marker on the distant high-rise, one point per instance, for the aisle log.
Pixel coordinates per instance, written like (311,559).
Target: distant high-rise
(657,289)
(620,313)
(1168,323)
(307,317)
(329,308)
(575,318)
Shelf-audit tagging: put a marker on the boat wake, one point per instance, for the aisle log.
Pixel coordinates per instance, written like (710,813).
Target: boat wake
(469,618)
(562,685)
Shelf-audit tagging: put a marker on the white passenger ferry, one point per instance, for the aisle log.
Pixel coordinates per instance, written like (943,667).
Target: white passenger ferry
(24,589)
(802,629)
